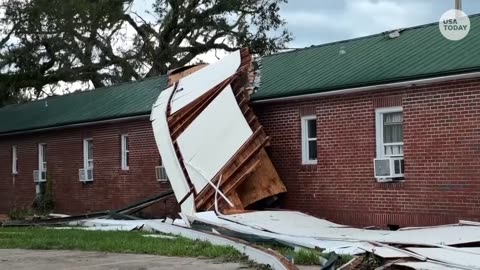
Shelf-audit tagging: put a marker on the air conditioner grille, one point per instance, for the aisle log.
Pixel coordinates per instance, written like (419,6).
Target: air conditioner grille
(382,167)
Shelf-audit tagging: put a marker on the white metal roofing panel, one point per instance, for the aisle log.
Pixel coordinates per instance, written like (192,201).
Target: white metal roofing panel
(167,151)
(213,138)
(339,247)
(456,256)
(198,83)
(301,225)
(426,266)
(386,252)
(282,220)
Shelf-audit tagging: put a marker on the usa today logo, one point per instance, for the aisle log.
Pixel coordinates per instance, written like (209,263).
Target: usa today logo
(454,25)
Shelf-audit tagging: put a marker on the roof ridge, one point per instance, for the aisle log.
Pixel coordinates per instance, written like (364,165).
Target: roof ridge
(360,38)
(79,92)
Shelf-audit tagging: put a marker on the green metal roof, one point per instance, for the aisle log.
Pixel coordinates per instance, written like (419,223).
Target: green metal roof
(122,100)
(419,52)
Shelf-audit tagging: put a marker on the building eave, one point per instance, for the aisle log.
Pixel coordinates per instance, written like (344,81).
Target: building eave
(77,125)
(395,85)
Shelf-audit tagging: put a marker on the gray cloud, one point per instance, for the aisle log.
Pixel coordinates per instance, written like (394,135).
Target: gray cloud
(317,22)
(314,22)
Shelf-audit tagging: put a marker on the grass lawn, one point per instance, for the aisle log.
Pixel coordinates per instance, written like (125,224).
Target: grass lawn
(114,241)
(136,242)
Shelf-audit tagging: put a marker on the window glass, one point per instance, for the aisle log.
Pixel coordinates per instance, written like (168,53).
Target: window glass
(14,160)
(393,127)
(312,150)
(90,149)
(44,152)
(312,128)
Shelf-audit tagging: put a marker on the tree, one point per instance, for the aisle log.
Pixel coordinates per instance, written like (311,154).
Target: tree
(46,42)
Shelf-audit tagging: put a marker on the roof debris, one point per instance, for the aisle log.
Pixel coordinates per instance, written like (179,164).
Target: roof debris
(211,143)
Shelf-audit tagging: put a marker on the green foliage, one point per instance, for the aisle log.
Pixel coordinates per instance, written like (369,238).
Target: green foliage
(301,257)
(371,261)
(20,213)
(306,256)
(45,201)
(43,42)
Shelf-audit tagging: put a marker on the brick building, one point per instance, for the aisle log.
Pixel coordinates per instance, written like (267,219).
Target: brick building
(411,102)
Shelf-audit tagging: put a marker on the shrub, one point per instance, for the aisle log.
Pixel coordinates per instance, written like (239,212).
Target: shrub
(20,213)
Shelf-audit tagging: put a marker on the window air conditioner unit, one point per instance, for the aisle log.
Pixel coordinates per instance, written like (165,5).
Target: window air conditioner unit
(39,176)
(161,174)
(85,175)
(387,169)
(36,176)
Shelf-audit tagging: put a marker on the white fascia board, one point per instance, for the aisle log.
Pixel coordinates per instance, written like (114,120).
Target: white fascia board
(165,146)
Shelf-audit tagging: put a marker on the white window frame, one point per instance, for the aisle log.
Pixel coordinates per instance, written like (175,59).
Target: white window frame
(305,140)
(14,160)
(86,160)
(42,163)
(125,151)
(379,131)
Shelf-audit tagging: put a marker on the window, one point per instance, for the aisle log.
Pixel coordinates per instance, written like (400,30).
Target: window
(309,139)
(42,162)
(389,129)
(14,160)
(161,173)
(87,174)
(125,152)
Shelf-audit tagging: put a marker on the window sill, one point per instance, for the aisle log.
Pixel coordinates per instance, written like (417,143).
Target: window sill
(311,167)
(40,181)
(309,162)
(86,181)
(163,181)
(393,183)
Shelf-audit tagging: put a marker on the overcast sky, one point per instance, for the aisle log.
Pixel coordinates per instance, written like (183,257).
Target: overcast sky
(314,22)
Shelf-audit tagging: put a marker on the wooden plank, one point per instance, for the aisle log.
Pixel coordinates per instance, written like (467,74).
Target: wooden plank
(230,178)
(230,164)
(230,191)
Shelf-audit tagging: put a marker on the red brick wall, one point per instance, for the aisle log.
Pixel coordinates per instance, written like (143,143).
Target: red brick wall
(442,156)
(442,160)
(112,188)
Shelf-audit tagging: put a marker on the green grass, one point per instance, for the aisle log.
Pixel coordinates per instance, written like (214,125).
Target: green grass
(306,256)
(118,242)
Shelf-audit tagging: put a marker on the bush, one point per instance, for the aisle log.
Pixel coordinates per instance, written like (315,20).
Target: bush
(21,213)
(45,202)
